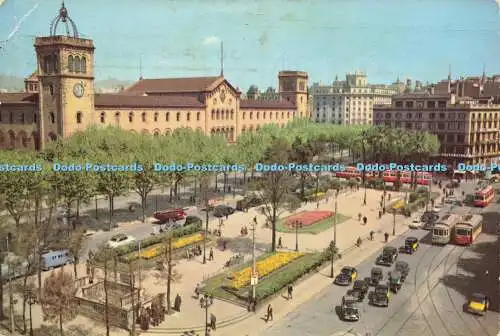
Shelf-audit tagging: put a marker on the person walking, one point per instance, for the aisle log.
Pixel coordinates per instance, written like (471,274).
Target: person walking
(280,243)
(371,235)
(211,254)
(386,236)
(269,313)
(290,292)
(197,291)
(213,321)
(365,220)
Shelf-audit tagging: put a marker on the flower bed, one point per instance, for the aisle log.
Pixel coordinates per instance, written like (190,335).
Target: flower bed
(156,250)
(308,218)
(264,267)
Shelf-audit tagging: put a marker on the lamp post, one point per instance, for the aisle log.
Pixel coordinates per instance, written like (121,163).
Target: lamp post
(363,136)
(206,231)
(334,242)
(206,302)
(31,300)
(298,225)
(11,293)
(96,208)
(393,222)
(255,277)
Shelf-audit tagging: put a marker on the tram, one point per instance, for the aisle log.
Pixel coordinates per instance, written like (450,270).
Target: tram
(443,231)
(422,178)
(467,229)
(484,197)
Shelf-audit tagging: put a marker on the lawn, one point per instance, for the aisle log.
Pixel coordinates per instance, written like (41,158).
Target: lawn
(315,228)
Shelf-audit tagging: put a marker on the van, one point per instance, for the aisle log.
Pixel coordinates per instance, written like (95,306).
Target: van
(55,259)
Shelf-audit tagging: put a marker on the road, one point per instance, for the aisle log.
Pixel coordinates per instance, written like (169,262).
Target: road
(430,301)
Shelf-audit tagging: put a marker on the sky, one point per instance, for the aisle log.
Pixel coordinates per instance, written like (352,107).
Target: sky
(419,39)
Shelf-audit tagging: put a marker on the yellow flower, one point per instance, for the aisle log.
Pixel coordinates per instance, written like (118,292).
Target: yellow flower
(264,267)
(157,249)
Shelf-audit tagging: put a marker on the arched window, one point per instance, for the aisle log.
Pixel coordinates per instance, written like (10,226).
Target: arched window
(52,118)
(251,115)
(143,116)
(35,117)
(103,117)
(130,116)
(47,64)
(258,115)
(78,117)
(188,116)
(213,114)
(78,67)
(117,117)
(83,65)
(55,63)
(244,115)
(11,117)
(167,116)
(51,89)
(24,139)
(178,116)
(156,116)
(288,115)
(156,133)
(282,114)
(198,116)
(227,114)
(217,115)
(232,114)
(276,114)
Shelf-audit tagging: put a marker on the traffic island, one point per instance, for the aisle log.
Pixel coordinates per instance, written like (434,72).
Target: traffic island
(312,222)
(275,271)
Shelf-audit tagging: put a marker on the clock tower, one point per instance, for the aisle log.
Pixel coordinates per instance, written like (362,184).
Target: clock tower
(66,76)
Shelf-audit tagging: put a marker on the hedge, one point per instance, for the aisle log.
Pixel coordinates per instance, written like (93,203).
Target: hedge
(146,242)
(279,279)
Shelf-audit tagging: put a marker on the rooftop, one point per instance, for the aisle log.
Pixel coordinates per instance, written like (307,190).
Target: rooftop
(176,85)
(106,100)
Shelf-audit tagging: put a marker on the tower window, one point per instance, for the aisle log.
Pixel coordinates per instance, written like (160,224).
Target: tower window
(156,116)
(143,116)
(232,114)
(178,116)
(103,117)
(83,65)
(131,117)
(213,114)
(198,116)
(52,118)
(78,117)
(71,64)
(23,118)
(78,67)
(51,89)
(167,116)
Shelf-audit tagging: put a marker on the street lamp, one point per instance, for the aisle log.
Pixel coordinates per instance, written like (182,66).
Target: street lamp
(334,242)
(96,208)
(298,225)
(255,277)
(30,298)
(363,136)
(393,222)
(206,301)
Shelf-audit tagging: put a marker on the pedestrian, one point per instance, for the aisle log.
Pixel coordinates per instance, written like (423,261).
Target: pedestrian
(290,292)
(87,267)
(371,235)
(379,214)
(211,254)
(177,303)
(227,216)
(213,321)
(280,243)
(359,216)
(389,197)
(365,220)
(269,313)
(197,291)
(386,236)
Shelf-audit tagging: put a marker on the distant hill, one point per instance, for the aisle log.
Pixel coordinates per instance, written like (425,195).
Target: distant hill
(12,83)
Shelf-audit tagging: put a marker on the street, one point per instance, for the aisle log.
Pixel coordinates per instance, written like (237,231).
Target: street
(430,301)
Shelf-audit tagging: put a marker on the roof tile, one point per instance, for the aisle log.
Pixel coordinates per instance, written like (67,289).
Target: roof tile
(18,98)
(124,100)
(171,85)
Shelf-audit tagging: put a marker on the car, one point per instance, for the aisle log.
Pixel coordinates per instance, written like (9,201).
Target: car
(388,256)
(170,215)
(450,199)
(411,245)
(360,287)
(403,268)
(376,275)
(429,216)
(193,220)
(437,207)
(223,211)
(349,310)
(415,223)
(120,240)
(380,296)
(248,202)
(346,276)
(478,304)
(395,281)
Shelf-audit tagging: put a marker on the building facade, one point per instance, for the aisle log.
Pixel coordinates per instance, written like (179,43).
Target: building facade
(468,129)
(59,99)
(350,102)
(475,86)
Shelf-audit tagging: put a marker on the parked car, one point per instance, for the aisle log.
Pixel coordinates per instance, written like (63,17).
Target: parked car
(53,259)
(223,211)
(478,304)
(248,202)
(346,276)
(171,215)
(120,240)
(403,268)
(415,223)
(360,288)
(380,296)
(193,220)
(429,216)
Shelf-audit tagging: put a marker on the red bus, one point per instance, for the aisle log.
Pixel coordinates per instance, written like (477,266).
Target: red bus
(423,178)
(484,197)
(467,229)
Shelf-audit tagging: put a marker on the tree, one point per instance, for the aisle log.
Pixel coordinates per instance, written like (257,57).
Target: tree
(166,272)
(75,247)
(58,302)
(276,187)
(106,255)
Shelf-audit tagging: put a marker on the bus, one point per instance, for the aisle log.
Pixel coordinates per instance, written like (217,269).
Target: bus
(389,176)
(467,229)
(444,229)
(484,197)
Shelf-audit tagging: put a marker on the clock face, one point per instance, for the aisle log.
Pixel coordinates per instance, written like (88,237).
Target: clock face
(78,90)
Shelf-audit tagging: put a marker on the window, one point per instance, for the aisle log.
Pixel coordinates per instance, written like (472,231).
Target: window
(78,117)
(432,115)
(213,114)
(431,104)
(441,126)
(188,116)
(288,115)
(388,115)
(71,64)
(251,115)
(232,114)
(156,116)
(198,116)
(442,104)
(117,117)
(143,116)
(103,117)
(217,114)
(409,104)
(282,115)
(51,89)
(77,64)
(83,65)
(52,118)
(227,114)
(167,116)
(23,118)
(398,115)
(35,117)
(258,115)
(131,117)
(11,118)
(263,115)
(178,116)
(244,115)
(419,115)
(442,116)
(409,115)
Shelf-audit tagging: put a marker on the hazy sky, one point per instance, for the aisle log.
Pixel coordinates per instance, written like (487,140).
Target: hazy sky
(385,38)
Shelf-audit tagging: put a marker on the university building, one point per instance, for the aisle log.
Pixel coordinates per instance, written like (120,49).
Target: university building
(350,102)
(467,128)
(60,100)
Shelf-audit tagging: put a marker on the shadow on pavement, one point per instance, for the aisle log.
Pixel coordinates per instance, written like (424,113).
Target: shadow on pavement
(244,245)
(471,277)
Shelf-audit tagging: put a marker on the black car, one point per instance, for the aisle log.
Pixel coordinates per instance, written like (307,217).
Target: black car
(376,275)
(403,268)
(429,216)
(380,296)
(343,279)
(395,281)
(223,211)
(411,245)
(360,287)
(193,220)
(248,202)
(349,310)
(388,256)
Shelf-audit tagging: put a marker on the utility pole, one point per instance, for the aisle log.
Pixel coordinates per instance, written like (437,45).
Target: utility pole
(139,271)
(393,222)
(363,135)
(11,294)
(334,238)
(254,261)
